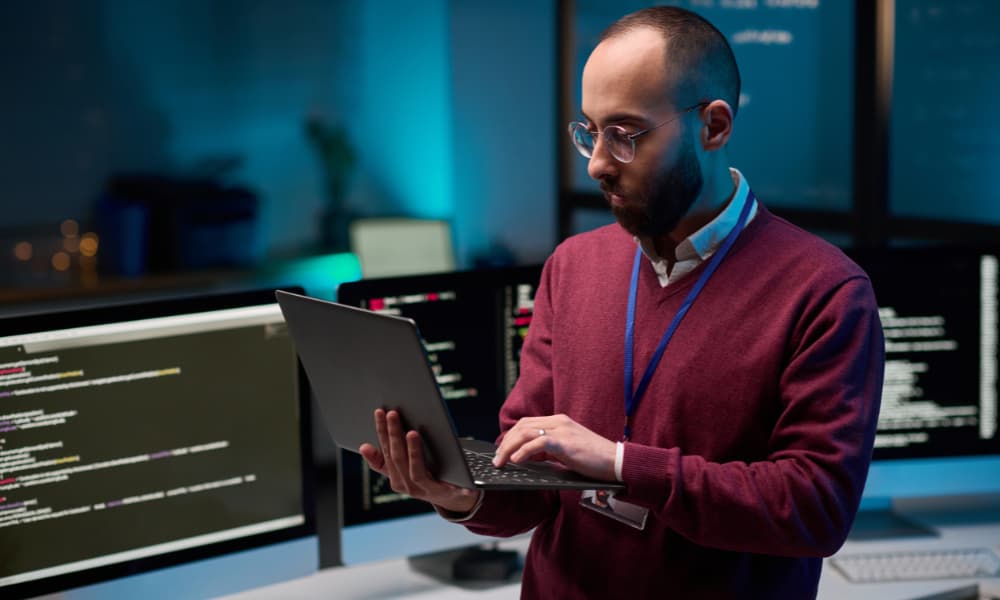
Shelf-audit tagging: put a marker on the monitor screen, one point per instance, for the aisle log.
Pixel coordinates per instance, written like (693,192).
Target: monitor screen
(473,324)
(937,430)
(144,435)
(942,149)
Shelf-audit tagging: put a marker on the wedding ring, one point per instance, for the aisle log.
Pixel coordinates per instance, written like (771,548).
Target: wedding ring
(541,432)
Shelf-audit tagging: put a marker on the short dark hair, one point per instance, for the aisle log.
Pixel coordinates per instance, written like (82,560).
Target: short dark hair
(704,60)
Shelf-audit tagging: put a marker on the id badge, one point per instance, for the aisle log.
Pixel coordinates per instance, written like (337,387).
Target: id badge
(605,503)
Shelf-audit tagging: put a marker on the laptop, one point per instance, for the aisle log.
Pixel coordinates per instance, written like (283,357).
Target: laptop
(358,360)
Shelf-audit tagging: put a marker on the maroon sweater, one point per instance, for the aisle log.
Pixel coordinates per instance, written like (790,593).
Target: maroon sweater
(751,446)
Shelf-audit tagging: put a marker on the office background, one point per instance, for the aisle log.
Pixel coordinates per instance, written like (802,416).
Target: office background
(455,110)
(450,110)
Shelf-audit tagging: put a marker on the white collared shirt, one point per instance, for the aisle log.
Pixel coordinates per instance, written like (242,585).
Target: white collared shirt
(700,245)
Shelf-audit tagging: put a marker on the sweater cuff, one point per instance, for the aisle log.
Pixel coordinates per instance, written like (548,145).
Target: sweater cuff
(650,473)
(456,517)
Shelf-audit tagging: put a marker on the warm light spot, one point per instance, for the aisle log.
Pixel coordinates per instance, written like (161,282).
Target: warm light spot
(88,244)
(69,228)
(60,261)
(23,251)
(71,244)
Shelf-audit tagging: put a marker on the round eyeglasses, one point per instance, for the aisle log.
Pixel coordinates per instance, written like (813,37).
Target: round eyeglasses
(619,142)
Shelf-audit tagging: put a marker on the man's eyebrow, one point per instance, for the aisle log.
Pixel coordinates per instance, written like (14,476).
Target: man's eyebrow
(618,118)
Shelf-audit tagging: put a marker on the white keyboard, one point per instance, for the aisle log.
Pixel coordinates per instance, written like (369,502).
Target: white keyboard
(918,564)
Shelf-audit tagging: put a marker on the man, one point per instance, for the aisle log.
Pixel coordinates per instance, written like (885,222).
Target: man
(722,363)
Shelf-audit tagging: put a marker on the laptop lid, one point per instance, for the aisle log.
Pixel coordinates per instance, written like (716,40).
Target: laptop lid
(338,346)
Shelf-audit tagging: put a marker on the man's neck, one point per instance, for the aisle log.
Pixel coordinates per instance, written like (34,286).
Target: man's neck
(715,196)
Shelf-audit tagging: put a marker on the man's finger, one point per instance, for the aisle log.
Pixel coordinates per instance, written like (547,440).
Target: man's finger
(533,447)
(415,448)
(397,445)
(518,436)
(374,458)
(382,432)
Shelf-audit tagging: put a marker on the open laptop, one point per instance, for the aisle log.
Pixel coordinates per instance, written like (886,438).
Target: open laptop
(358,360)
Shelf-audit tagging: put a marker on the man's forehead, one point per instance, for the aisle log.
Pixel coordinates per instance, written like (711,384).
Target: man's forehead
(627,73)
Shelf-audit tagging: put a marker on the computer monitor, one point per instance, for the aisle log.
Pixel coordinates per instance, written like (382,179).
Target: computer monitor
(938,428)
(394,246)
(153,434)
(941,151)
(473,324)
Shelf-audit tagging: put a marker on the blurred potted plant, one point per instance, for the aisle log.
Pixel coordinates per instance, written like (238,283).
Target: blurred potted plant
(337,158)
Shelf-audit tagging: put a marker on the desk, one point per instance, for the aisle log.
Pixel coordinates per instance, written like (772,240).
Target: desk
(974,526)
(384,580)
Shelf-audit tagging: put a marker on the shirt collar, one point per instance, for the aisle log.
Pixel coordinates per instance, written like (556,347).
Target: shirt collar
(701,244)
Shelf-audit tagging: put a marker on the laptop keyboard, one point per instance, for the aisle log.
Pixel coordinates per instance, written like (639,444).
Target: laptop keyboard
(481,466)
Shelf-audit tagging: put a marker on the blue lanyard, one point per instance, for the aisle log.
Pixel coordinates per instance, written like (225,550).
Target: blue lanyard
(632,399)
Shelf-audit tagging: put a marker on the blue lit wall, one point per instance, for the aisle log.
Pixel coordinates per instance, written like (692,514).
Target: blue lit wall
(111,85)
(456,118)
(403,122)
(118,85)
(237,78)
(504,78)
(504,83)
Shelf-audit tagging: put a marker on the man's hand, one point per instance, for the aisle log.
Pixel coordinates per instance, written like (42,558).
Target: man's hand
(401,459)
(561,439)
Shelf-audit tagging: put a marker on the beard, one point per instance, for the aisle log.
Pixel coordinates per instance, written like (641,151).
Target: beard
(662,203)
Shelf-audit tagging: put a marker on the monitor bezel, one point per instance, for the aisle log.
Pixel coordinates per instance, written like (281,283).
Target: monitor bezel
(125,310)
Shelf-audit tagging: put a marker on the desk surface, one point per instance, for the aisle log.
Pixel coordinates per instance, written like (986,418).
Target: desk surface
(975,526)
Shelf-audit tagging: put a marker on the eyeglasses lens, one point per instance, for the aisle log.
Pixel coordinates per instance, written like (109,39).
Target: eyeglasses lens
(582,139)
(616,140)
(619,144)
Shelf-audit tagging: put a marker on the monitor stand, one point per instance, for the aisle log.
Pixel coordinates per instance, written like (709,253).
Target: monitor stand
(876,520)
(477,566)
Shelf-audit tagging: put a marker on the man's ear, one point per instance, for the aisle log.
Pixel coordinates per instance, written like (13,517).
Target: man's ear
(718,125)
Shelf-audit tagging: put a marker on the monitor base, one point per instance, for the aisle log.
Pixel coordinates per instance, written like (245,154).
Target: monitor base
(880,524)
(470,564)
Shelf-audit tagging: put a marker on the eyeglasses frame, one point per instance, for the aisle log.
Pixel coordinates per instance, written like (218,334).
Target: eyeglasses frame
(631,137)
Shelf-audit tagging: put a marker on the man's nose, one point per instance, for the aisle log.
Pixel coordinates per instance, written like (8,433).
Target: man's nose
(602,164)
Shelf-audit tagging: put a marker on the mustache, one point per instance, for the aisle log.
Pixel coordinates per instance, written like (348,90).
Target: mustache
(610,188)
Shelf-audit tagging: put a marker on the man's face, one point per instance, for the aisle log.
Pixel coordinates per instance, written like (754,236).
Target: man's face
(656,202)
(626,83)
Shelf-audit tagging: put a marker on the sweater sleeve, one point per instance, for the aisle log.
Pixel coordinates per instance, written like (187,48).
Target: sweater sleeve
(504,514)
(800,500)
